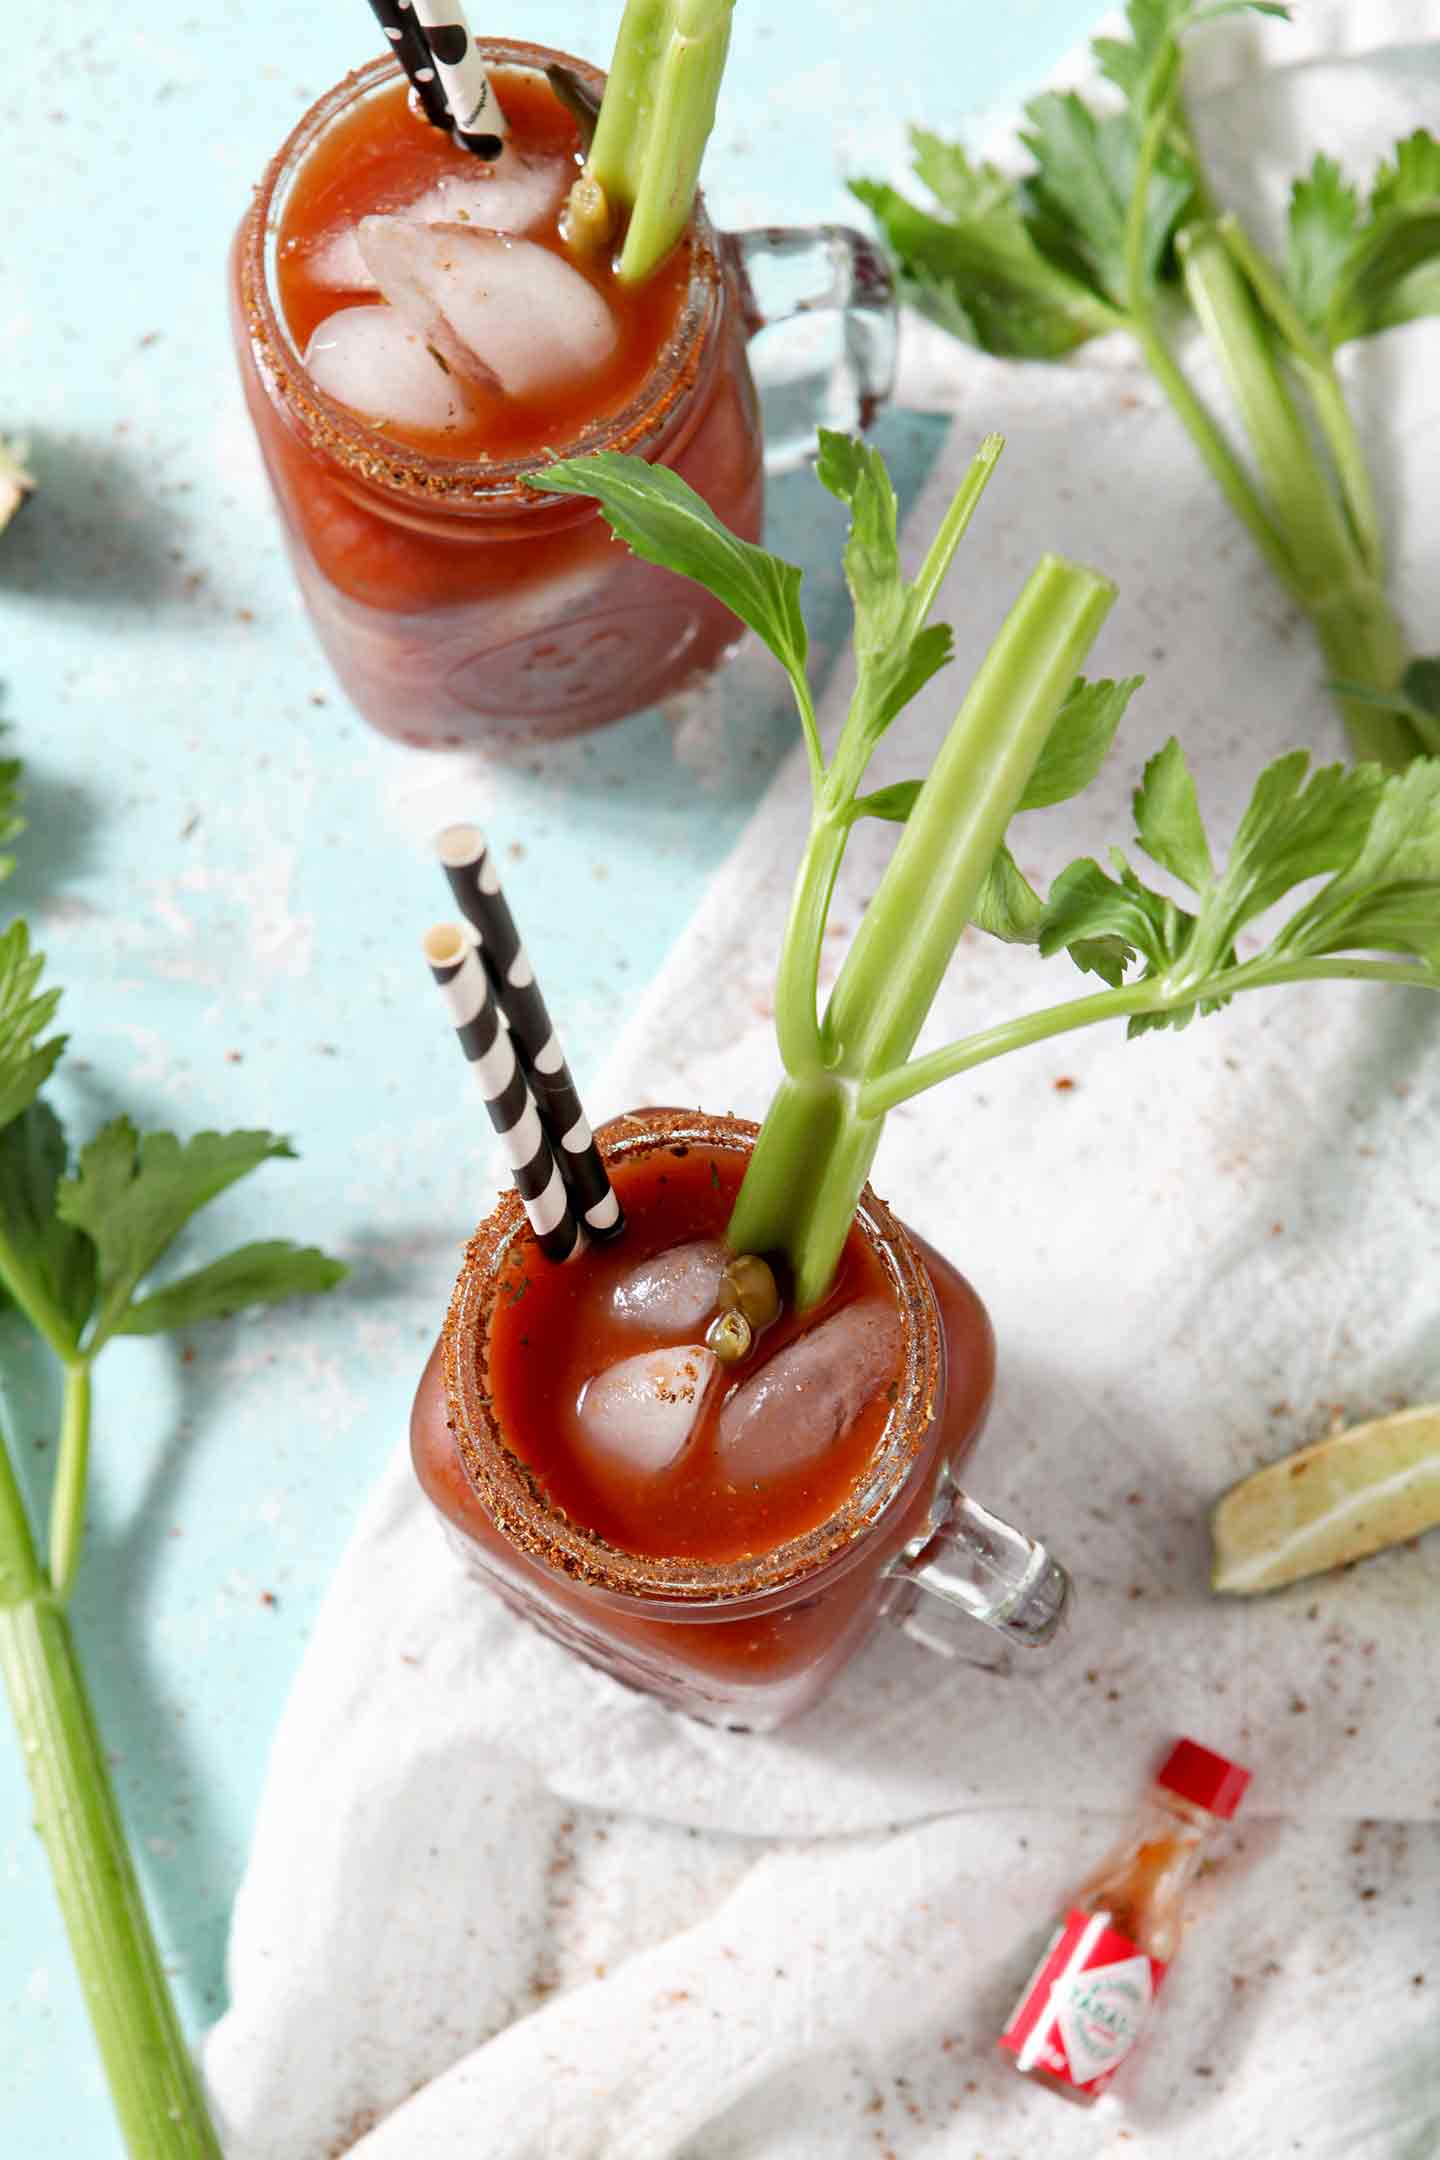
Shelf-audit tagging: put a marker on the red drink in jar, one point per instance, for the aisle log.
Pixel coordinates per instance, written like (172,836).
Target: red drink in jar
(724,1537)
(456,604)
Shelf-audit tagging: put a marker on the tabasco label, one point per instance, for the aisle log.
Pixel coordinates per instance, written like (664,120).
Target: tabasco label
(1086,2004)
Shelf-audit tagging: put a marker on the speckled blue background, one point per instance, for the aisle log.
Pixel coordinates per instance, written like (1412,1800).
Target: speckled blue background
(229,874)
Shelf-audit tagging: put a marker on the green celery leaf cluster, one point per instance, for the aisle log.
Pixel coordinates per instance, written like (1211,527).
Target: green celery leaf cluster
(1374,837)
(1029,267)
(1112,227)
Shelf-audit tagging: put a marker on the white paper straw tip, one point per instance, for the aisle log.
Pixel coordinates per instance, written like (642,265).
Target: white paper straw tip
(444,945)
(460,845)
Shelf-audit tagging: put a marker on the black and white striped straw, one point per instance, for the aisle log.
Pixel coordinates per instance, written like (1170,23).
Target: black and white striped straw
(455,965)
(397,19)
(470,867)
(480,124)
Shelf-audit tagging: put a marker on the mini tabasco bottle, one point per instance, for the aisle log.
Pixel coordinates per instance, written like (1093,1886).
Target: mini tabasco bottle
(1089,1997)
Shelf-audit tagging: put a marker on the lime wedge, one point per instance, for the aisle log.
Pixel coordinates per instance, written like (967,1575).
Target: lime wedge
(1347,1496)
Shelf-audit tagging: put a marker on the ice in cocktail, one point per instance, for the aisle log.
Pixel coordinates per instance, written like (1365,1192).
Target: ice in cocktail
(724,1535)
(398,425)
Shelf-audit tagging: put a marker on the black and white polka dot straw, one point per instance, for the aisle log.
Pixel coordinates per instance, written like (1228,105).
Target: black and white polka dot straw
(397,19)
(480,124)
(470,867)
(465,988)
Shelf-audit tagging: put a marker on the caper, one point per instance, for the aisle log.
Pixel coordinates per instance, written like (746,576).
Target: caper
(729,1336)
(748,1286)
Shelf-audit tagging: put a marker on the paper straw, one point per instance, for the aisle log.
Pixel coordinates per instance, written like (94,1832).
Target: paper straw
(480,124)
(470,867)
(465,988)
(398,23)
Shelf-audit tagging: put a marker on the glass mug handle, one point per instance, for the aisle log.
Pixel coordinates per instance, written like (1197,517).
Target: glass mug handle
(816,376)
(969,1565)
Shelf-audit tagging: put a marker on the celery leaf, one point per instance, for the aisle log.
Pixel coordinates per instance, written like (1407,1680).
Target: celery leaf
(1079,195)
(1168,821)
(977,271)
(1389,894)
(1293,829)
(855,473)
(893,803)
(133,1193)
(1007,905)
(896,653)
(1080,740)
(1357,266)
(1323,222)
(1377,837)
(43,1250)
(26,1062)
(258,1274)
(1086,902)
(665,522)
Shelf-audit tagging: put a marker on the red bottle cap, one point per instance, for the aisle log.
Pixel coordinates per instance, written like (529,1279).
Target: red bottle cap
(1203,1778)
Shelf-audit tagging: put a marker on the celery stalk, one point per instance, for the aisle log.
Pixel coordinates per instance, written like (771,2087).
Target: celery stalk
(1334,573)
(816,1146)
(655,120)
(153,2080)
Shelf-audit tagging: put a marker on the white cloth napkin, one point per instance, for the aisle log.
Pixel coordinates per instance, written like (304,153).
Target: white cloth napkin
(500,1906)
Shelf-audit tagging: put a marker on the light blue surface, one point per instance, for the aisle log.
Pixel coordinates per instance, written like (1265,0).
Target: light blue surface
(227,870)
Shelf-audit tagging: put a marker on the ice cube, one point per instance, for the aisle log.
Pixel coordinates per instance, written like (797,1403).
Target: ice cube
(335,261)
(371,359)
(677,1289)
(513,195)
(642,1411)
(803,1398)
(500,310)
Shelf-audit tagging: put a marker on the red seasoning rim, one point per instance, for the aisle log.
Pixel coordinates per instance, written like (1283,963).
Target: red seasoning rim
(396,469)
(512,1496)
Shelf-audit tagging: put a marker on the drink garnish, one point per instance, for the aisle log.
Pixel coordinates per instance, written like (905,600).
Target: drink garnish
(730,1336)
(655,119)
(748,1286)
(1031,732)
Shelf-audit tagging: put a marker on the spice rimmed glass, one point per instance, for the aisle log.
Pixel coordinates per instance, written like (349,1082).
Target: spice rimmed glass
(747,1642)
(458,606)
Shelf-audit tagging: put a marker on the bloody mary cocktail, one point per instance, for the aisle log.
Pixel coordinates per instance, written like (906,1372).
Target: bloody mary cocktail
(456,604)
(731,1551)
